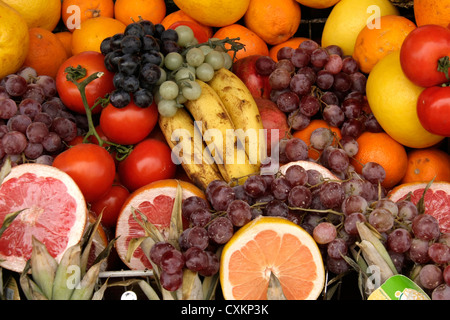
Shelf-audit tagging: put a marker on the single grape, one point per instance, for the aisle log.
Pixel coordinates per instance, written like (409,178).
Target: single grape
(279,79)
(331,194)
(381,219)
(337,248)
(8,108)
(173,61)
(168,90)
(171,281)
(300,197)
(334,63)
(30,107)
(342,82)
(426,227)
(196,259)
(285,53)
(354,203)
(167,108)
(296,175)
(264,65)
(239,213)
(441,292)
(33,150)
(52,142)
(196,237)
(213,265)
(297,120)
(215,59)
(352,108)
(172,261)
(350,222)
(158,249)
(407,210)
(430,276)
(286,65)
(336,266)
(14,142)
(277,208)
(255,186)
(324,232)
(300,58)
(204,72)
(280,188)
(325,79)
(288,101)
(319,57)
(333,115)
(398,259)
(389,205)
(185,35)
(349,65)
(65,128)
(195,57)
(200,217)
(399,240)
(191,90)
(299,83)
(222,197)
(373,172)
(220,230)
(321,138)
(36,132)
(15,85)
(191,204)
(439,253)
(446,274)
(119,98)
(418,252)
(296,149)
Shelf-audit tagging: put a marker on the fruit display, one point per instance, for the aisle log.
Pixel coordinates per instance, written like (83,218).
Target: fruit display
(224,150)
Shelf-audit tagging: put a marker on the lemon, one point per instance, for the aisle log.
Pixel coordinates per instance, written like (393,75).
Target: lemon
(14,40)
(217,13)
(38,13)
(349,17)
(393,100)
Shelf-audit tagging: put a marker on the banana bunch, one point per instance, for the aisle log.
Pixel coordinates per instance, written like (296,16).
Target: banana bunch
(67,280)
(217,136)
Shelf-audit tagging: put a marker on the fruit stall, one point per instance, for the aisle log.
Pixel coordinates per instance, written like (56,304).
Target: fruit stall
(224,150)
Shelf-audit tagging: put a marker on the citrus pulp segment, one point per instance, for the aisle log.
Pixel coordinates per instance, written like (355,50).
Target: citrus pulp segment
(155,201)
(54,211)
(271,245)
(437,199)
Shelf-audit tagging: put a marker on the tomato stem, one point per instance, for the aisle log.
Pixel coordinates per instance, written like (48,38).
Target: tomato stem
(444,65)
(74,74)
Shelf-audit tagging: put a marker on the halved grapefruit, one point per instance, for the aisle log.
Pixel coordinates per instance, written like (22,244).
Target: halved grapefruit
(436,200)
(326,173)
(155,201)
(267,247)
(54,212)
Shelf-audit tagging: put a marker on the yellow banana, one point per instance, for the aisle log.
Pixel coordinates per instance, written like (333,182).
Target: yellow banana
(243,110)
(219,134)
(185,140)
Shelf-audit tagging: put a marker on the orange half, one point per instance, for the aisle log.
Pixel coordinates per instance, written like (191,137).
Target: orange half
(269,245)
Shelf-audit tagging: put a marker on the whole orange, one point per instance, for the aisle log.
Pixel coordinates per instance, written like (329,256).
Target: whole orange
(379,147)
(372,44)
(293,42)
(305,135)
(45,52)
(75,12)
(66,39)
(252,42)
(180,15)
(273,21)
(426,164)
(129,11)
(432,12)
(93,31)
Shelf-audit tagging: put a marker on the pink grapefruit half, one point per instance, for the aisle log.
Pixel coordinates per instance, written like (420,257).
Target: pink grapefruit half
(54,212)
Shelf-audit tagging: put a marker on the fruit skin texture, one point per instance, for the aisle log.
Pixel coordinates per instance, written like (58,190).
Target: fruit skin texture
(38,13)
(173,128)
(14,42)
(215,122)
(91,166)
(420,52)
(152,10)
(243,110)
(149,161)
(128,125)
(292,42)
(258,85)
(348,17)
(93,31)
(381,148)
(433,110)
(272,119)
(70,95)
(253,43)
(393,100)
(374,44)
(273,21)
(217,13)
(318,4)
(426,164)
(88,9)
(46,52)
(432,12)
(110,204)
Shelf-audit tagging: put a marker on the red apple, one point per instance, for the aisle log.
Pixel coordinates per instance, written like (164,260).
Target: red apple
(245,69)
(272,119)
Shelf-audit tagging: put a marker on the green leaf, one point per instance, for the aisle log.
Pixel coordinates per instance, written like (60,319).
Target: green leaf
(421,202)
(9,218)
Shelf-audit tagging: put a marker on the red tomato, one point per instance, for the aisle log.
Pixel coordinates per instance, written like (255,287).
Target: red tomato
(98,88)
(128,125)
(420,53)
(91,166)
(110,204)
(150,160)
(199,33)
(433,110)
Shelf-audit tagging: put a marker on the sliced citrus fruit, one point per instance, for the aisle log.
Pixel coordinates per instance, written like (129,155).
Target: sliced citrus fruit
(155,201)
(268,247)
(54,211)
(436,200)
(307,165)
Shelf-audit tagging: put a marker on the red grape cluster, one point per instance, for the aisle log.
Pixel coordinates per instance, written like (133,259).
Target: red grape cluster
(34,123)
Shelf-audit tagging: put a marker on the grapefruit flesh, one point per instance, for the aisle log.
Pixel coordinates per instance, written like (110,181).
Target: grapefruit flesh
(54,211)
(436,200)
(271,245)
(155,201)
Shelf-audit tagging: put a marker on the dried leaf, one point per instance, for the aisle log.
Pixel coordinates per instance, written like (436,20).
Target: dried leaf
(9,218)
(132,246)
(176,223)
(209,286)
(421,202)
(274,290)
(149,229)
(191,289)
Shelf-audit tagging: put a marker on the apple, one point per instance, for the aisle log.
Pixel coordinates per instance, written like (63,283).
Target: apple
(258,85)
(272,119)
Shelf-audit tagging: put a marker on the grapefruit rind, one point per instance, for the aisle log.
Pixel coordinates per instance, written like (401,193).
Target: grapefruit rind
(166,187)
(282,227)
(17,263)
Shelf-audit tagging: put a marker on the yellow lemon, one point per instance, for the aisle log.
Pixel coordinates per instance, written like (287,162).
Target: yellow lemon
(14,40)
(217,13)
(393,100)
(349,17)
(38,13)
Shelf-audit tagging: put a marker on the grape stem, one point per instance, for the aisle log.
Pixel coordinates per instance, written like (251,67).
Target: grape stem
(235,45)
(75,74)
